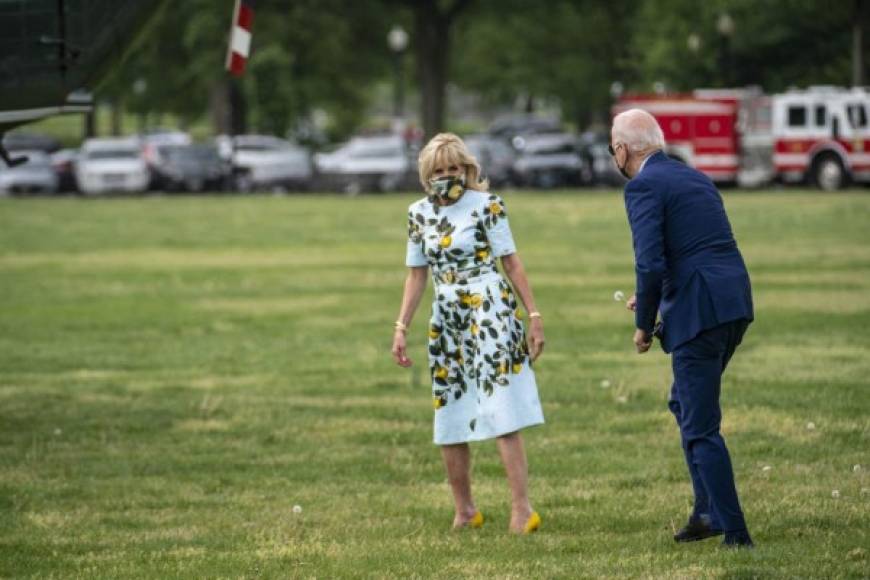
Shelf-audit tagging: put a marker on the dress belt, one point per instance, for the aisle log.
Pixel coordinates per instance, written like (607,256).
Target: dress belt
(463,276)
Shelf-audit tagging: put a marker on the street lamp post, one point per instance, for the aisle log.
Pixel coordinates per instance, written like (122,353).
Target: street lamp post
(397,39)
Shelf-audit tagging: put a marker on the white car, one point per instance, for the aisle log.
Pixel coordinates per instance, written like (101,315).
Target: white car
(110,165)
(378,162)
(35,175)
(265,162)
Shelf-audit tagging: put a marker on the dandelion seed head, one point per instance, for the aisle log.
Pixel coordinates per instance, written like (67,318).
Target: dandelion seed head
(835,493)
(618,296)
(297,509)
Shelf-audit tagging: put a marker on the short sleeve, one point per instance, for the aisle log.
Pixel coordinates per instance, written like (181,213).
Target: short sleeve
(414,256)
(498,230)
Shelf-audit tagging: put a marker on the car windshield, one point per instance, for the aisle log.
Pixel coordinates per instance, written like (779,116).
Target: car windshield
(113,154)
(192,153)
(377,152)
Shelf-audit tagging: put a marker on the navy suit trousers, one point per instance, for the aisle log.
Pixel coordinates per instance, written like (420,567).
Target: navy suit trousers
(698,366)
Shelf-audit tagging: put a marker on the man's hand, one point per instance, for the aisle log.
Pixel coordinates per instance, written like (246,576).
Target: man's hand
(642,341)
(631,303)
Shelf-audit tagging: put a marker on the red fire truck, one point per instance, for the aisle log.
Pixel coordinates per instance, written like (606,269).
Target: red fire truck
(819,135)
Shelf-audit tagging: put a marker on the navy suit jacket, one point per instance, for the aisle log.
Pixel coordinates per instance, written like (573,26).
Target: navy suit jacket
(687,262)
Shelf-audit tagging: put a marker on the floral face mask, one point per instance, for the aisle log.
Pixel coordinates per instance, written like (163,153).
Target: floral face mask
(449,188)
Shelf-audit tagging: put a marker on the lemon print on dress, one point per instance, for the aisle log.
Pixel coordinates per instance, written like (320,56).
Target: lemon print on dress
(434,332)
(495,208)
(437,403)
(455,192)
(446,241)
(475,300)
(474,329)
(517,368)
(482,254)
(439,373)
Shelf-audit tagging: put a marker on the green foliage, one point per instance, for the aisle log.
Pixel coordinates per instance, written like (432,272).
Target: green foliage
(328,55)
(177,374)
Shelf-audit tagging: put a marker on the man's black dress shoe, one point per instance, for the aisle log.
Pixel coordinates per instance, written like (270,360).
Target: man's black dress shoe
(698,528)
(735,540)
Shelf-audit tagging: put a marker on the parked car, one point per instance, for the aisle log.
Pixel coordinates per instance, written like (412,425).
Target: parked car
(153,143)
(113,164)
(190,168)
(594,148)
(496,158)
(33,176)
(550,160)
(265,162)
(22,141)
(64,164)
(368,163)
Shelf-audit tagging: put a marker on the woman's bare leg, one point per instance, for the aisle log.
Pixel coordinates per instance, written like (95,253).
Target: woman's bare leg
(513,456)
(457,461)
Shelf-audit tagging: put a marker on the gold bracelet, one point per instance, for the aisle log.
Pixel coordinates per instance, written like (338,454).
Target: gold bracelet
(534,314)
(400,326)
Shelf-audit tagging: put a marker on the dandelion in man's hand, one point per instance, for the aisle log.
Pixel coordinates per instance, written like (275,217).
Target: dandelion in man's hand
(618,296)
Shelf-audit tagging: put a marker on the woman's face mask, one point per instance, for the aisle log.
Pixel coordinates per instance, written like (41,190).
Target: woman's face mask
(450,187)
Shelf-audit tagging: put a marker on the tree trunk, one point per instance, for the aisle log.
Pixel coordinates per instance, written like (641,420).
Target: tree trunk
(89,123)
(117,114)
(432,44)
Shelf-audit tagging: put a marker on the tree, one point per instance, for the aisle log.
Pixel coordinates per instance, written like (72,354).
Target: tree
(433,25)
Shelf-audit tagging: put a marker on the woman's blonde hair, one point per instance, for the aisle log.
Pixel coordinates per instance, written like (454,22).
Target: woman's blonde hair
(449,149)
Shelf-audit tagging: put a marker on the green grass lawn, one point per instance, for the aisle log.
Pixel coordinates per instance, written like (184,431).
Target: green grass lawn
(176,374)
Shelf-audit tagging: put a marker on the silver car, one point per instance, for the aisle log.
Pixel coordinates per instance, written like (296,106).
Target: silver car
(266,162)
(368,163)
(34,176)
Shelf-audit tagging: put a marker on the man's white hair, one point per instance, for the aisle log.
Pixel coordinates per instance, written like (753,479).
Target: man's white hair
(638,130)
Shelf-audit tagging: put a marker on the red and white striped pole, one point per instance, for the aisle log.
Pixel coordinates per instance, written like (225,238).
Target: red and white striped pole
(240,37)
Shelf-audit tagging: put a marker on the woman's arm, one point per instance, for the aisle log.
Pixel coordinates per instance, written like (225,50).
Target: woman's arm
(513,269)
(415,285)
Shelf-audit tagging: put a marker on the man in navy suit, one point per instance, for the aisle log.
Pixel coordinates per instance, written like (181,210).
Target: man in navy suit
(689,269)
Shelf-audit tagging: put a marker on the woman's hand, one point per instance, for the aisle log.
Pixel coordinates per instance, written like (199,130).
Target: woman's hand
(536,338)
(398,350)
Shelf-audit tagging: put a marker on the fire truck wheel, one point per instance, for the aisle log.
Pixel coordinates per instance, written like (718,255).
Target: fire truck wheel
(828,173)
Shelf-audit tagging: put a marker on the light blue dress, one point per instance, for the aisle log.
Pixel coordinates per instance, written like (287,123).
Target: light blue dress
(483,385)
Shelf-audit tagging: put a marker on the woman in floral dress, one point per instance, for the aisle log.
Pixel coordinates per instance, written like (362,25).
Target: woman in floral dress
(480,360)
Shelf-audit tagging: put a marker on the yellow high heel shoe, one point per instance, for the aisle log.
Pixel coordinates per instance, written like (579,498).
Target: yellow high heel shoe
(475,522)
(532,524)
